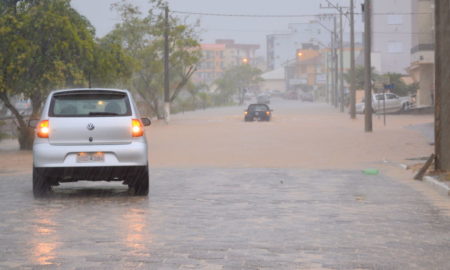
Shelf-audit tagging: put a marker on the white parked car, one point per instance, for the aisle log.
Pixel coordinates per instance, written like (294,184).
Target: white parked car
(391,103)
(90,134)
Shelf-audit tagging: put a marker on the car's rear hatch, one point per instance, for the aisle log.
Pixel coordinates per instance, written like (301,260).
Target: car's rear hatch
(78,131)
(90,117)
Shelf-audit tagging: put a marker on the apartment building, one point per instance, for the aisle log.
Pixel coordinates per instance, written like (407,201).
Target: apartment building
(212,65)
(236,54)
(220,56)
(392,29)
(421,68)
(281,47)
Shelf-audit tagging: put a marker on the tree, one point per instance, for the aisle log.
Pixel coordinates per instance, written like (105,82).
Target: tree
(359,76)
(111,66)
(15,50)
(45,45)
(142,37)
(400,87)
(237,79)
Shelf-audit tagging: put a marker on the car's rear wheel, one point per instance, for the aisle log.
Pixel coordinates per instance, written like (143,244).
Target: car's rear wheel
(373,111)
(140,186)
(41,187)
(405,107)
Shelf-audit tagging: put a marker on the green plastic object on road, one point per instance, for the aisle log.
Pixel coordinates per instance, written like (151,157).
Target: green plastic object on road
(371,171)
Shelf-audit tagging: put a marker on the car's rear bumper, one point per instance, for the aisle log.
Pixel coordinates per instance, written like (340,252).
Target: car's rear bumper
(56,175)
(262,117)
(54,156)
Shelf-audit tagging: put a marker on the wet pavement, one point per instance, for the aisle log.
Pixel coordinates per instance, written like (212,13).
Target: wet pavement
(211,218)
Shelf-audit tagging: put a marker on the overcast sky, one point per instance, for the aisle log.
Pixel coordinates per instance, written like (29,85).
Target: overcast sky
(243,30)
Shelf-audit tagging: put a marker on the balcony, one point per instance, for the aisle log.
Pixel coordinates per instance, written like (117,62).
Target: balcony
(422,47)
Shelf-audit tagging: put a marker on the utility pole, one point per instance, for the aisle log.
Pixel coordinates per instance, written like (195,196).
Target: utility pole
(341,56)
(368,66)
(166,66)
(327,90)
(333,81)
(352,63)
(339,65)
(336,65)
(442,95)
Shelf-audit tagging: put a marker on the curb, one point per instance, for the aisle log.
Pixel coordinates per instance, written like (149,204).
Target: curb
(441,187)
(431,181)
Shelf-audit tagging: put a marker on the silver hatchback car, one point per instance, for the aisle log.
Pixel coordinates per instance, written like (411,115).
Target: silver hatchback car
(90,134)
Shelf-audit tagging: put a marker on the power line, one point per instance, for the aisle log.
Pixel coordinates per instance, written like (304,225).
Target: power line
(252,15)
(288,15)
(345,27)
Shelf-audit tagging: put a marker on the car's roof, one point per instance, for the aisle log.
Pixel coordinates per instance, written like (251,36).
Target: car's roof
(89,89)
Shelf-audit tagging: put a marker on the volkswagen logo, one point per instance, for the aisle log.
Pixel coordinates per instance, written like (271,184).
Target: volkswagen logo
(90,126)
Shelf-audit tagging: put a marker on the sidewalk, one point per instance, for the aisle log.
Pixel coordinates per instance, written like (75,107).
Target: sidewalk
(439,182)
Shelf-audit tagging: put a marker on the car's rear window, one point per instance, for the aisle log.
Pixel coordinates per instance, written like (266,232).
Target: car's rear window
(258,107)
(90,104)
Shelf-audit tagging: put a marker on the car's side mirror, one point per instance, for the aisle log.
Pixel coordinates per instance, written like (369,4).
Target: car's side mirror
(32,123)
(146,122)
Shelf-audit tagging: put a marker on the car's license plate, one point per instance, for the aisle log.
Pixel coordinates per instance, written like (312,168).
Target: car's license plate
(90,157)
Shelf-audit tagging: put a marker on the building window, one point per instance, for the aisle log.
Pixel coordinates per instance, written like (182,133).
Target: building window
(395,47)
(395,19)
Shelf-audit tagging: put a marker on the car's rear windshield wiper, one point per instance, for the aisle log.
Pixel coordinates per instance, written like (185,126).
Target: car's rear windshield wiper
(102,113)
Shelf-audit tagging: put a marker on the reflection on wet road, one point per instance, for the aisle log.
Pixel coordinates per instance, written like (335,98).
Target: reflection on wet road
(224,219)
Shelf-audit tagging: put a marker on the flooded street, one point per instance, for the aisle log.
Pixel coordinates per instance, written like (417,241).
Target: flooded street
(235,202)
(299,135)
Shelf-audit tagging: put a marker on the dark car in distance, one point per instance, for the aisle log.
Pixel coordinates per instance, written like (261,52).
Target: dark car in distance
(260,112)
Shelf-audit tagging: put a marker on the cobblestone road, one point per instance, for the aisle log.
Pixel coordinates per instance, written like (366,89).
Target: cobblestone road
(224,219)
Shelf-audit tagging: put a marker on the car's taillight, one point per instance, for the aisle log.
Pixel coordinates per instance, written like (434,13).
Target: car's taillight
(43,129)
(137,129)
(268,112)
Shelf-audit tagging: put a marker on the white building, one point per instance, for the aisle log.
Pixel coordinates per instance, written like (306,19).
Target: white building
(274,80)
(392,30)
(283,47)
(422,53)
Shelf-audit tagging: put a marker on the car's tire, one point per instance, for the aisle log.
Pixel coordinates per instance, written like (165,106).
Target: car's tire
(41,187)
(373,111)
(405,107)
(141,182)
